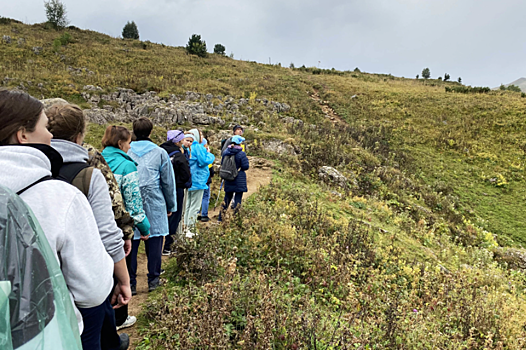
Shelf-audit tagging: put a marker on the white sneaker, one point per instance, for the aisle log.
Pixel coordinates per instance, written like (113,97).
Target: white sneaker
(130,321)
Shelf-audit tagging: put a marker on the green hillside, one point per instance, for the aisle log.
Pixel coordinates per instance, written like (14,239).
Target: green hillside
(404,256)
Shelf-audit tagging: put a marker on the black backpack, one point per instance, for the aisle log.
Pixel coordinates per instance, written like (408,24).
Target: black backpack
(229,170)
(77,174)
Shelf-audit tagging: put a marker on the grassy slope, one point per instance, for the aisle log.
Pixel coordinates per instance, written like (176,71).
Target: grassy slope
(415,132)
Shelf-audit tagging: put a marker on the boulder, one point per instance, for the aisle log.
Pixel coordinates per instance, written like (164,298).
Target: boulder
(6,39)
(279,147)
(515,258)
(37,50)
(330,175)
(49,102)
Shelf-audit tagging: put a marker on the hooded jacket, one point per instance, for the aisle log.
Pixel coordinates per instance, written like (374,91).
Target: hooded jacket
(199,160)
(239,184)
(183,177)
(157,184)
(98,198)
(125,171)
(66,218)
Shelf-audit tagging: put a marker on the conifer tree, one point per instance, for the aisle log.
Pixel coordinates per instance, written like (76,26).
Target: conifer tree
(130,31)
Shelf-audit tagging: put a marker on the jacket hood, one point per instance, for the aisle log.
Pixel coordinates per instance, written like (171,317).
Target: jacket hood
(169,147)
(70,152)
(23,165)
(232,151)
(115,157)
(141,148)
(197,136)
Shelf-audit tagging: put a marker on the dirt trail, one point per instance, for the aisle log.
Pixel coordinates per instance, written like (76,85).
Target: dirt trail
(258,175)
(327,110)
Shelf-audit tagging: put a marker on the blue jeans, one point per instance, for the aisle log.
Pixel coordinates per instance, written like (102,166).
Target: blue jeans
(238,196)
(153,247)
(100,332)
(206,202)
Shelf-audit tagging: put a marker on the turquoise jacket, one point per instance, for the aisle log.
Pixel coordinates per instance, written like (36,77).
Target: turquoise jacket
(125,170)
(199,160)
(157,184)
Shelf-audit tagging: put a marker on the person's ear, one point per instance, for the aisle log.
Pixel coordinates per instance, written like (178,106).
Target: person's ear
(21,136)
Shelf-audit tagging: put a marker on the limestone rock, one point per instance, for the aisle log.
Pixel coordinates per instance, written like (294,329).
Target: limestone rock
(49,102)
(514,257)
(332,176)
(279,147)
(6,39)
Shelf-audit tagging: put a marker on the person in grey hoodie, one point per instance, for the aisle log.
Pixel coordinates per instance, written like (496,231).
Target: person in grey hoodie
(28,164)
(67,124)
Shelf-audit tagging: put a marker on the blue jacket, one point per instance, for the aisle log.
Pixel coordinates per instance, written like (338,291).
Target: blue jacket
(239,184)
(157,184)
(199,161)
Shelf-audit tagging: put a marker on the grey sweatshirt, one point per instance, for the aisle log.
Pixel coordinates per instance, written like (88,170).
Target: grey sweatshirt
(98,198)
(66,218)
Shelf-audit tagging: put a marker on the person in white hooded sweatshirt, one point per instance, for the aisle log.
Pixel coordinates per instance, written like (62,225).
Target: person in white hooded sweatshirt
(28,164)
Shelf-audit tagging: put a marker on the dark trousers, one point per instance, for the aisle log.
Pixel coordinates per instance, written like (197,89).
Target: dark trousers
(100,332)
(153,247)
(121,314)
(238,196)
(175,219)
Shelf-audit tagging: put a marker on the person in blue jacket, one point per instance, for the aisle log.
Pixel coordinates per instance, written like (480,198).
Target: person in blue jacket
(157,186)
(235,188)
(199,160)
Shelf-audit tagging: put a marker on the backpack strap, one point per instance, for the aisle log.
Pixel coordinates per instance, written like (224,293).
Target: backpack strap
(45,178)
(173,153)
(77,174)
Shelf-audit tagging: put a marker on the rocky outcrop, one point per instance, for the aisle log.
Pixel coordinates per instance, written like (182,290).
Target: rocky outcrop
(53,101)
(279,147)
(332,176)
(515,258)
(192,108)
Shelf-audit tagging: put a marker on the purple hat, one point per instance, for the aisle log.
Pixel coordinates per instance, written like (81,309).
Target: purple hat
(175,135)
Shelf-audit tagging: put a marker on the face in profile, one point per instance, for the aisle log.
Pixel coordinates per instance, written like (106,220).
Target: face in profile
(40,135)
(125,145)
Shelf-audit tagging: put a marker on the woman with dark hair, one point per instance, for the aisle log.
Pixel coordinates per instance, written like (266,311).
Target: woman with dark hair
(157,185)
(29,164)
(116,143)
(68,126)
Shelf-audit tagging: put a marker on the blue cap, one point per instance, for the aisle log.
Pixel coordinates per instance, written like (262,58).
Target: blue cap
(238,139)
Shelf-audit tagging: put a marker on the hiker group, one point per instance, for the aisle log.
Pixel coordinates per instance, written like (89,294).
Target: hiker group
(94,209)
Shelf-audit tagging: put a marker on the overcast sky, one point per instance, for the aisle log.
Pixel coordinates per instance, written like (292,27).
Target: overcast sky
(481,41)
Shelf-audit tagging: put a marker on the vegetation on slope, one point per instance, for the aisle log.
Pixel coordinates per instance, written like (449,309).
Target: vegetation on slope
(400,259)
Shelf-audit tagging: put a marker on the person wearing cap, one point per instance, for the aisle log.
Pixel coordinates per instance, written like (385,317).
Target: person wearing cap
(183,180)
(234,189)
(238,130)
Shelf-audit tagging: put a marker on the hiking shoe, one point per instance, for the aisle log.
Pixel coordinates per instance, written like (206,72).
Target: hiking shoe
(153,285)
(125,341)
(205,219)
(199,217)
(130,321)
(167,252)
(133,288)
(162,271)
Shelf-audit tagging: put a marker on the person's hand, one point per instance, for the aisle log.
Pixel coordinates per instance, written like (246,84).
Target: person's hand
(169,213)
(127,247)
(121,295)
(145,238)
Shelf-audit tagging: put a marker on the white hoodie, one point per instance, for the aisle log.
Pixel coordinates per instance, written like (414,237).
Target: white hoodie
(66,218)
